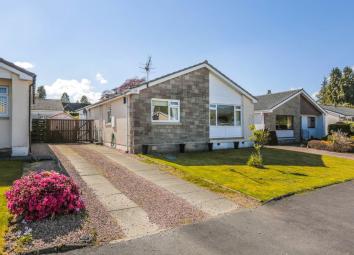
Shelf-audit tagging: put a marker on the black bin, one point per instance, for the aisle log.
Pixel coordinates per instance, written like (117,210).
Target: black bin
(182,147)
(210,146)
(145,149)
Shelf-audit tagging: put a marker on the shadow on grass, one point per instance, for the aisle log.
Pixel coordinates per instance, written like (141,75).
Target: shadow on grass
(240,157)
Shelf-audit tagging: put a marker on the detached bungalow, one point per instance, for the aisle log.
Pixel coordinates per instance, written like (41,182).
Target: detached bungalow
(338,113)
(293,115)
(195,108)
(16,93)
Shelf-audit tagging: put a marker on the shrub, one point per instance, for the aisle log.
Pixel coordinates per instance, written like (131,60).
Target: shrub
(255,160)
(320,145)
(340,141)
(42,195)
(341,126)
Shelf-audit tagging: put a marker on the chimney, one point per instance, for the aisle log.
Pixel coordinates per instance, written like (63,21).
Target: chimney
(269,92)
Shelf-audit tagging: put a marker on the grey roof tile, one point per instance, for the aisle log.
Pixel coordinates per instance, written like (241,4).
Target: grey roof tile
(347,111)
(268,101)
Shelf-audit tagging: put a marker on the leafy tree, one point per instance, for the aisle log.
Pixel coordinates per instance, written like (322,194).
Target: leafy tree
(65,98)
(84,100)
(259,138)
(338,89)
(41,92)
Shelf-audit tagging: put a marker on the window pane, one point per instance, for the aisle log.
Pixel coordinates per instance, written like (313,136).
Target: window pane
(225,115)
(174,114)
(160,110)
(212,114)
(284,122)
(311,122)
(238,118)
(3,90)
(3,104)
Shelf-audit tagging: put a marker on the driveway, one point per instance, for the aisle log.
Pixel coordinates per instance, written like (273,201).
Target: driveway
(318,222)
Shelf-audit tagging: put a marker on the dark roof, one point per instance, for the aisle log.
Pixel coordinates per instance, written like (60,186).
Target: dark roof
(269,101)
(47,104)
(72,107)
(347,111)
(17,67)
(120,93)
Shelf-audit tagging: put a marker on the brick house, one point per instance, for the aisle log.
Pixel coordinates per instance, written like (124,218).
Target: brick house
(293,115)
(191,108)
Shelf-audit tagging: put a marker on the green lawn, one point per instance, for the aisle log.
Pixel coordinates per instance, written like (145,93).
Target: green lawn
(285,172)
(9,171)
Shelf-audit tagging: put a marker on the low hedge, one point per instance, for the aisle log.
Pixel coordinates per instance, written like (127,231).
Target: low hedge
(328,146)
(346,127)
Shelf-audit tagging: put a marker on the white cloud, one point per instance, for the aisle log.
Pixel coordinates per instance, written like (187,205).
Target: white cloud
(25,65)
(315,95)
(75,89)
(101,79)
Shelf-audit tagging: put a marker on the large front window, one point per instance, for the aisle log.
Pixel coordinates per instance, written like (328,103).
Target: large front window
(284,122)
(165,110)
(4,101)
(224,115)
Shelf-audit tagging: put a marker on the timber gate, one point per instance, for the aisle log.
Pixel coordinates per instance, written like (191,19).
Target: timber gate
(62,130)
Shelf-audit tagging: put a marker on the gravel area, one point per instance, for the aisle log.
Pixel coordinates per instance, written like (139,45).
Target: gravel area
(162,207)
(105,226)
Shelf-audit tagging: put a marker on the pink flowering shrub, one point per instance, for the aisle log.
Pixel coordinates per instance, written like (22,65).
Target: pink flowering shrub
(41,195)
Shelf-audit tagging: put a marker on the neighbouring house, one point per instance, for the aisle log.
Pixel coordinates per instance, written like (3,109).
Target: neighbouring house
(338,113)
(17,87)
(293,115)
(46,108)
(195,108)
(76,109)
(61,116)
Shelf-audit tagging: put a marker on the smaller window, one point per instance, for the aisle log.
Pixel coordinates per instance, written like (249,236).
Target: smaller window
(212,115)
(311,122)
(124,100)
(4,101)
(109,115)
(165,110)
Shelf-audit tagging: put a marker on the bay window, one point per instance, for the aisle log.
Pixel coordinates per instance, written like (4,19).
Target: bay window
(284,122)
(165,110)
(224,115)
(4,101)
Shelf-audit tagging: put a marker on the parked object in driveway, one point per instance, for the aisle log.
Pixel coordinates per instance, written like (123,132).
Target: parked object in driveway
(195,106)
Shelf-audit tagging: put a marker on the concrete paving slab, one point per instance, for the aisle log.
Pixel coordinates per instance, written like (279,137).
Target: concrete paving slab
(135,222)
(217,206)
(117,202)
(104,190)
(95,179)
(183,188)
(198,197)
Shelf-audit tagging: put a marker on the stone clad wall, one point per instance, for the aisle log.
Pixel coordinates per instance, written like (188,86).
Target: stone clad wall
(292,107)
(192,90)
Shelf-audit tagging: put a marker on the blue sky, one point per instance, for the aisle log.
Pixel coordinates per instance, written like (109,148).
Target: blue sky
(261,45)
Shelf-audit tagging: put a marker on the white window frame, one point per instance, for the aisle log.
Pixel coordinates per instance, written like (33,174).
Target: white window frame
(237,108)
(109,119)
(6,95)
(169,110)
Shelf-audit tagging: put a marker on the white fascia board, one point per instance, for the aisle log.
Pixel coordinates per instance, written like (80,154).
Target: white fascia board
(194,68)
(263,111)
(22,75)
(304,94)
(109,100)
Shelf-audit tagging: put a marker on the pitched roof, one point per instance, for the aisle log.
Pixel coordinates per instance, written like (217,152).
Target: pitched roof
(269,101)
(47,104)
(347,111)
(17,67)
(72,107)
(179,72)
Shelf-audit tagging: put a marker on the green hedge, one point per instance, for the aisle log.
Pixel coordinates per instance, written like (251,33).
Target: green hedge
(345,127)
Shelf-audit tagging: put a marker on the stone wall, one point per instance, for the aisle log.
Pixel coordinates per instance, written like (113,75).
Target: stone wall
(192,90)
(292,107)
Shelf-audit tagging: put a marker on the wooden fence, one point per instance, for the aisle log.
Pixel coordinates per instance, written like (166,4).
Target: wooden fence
(62,131)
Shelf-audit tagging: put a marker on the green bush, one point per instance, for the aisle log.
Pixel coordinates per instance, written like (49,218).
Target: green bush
(345,127)
(255,160)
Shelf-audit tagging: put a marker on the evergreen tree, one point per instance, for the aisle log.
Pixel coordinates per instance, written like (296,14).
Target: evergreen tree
(84,100)
(41,92)
(348,85)
(65,98)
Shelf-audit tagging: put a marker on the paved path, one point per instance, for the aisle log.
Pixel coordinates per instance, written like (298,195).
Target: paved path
(209,202)
(313,151)
(133,220)
(318,222)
